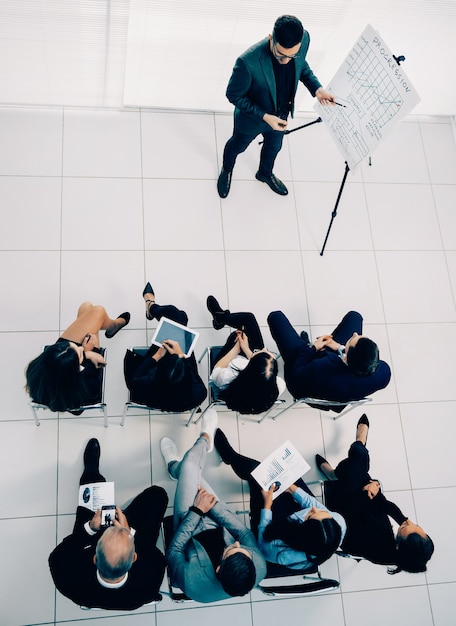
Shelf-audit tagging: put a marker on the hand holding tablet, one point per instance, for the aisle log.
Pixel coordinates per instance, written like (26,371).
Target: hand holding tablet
(168,331)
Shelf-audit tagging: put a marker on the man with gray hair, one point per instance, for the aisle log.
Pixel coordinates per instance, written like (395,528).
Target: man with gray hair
(115,567)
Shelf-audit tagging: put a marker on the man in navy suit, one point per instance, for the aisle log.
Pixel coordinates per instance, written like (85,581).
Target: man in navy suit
(342,366)
(262,88)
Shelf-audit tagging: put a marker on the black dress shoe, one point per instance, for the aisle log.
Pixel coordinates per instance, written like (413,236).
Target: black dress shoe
(224,183)
(91,471)
(218,314)
(304,336)
(274,183)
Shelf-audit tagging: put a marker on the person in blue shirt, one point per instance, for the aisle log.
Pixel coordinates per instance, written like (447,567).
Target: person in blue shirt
(295,529)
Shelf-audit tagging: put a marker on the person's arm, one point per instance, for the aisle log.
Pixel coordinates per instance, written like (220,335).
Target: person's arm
(221,514)
(392,510)
(238,88)
(176,554)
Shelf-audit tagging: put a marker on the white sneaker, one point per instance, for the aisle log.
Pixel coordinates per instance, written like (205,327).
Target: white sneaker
(209,426)
(169,452)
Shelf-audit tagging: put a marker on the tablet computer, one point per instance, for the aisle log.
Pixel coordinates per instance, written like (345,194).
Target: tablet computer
(167,329)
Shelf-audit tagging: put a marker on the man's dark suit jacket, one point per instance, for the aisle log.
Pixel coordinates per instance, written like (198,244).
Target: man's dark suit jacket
(252,86)
(75,574)
(322,374)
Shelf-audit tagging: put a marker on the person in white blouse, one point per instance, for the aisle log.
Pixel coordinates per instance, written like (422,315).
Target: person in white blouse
(245,374)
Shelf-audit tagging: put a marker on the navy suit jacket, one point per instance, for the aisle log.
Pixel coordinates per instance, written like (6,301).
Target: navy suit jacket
(324,375)
(252,86)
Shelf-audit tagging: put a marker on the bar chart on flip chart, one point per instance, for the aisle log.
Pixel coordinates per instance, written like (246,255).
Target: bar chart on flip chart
(375,95)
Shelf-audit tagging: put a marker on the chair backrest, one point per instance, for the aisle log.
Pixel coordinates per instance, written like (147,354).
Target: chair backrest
(282,580)
(176,594)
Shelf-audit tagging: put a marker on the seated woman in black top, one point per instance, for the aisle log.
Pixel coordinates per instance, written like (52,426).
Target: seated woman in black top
(163,378)
(66,374)
(245,374)
(366,511)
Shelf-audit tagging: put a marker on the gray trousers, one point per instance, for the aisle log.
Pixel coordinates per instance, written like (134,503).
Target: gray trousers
(188,473)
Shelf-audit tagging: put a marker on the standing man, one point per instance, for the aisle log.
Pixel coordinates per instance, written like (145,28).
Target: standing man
(262,88)
(115,567)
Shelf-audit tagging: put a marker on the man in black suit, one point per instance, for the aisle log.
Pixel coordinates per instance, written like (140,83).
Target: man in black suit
(117,567)
(262,88)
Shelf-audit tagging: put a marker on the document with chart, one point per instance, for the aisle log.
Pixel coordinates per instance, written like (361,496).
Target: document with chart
(283,467)
(373,93)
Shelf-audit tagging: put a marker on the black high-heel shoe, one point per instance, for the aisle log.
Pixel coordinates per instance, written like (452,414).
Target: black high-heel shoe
(320,460)
(109,334)
(149,291)
(217,312)
(363,420)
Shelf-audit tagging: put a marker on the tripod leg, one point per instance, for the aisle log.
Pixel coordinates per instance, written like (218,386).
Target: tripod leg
(334,213)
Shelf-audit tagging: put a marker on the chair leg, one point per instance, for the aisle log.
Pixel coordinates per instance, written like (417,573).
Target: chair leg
(124,414)
(35,415)
(105,413)
(294,403)
(349,408)
(189,421)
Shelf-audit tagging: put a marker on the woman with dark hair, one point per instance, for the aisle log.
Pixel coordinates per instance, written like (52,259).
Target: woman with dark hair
(66,374)
(366,510)
(245,373)
(163,378)
(295,529)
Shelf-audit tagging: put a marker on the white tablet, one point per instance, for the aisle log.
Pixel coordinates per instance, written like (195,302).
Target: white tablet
(167,329)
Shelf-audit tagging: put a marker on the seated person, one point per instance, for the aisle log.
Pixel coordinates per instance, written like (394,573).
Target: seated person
(117,567)
(295,529)
(366,510)
(65,375)
(245,372)
(343,366)
(212,555)
(163,378)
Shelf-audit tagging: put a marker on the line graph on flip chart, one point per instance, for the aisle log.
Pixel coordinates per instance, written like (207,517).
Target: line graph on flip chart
(376,95)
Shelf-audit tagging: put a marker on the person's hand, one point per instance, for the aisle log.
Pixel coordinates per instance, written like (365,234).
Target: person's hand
(243,341)
(275,122)
(120,520)
(325,97)
(292,488)
(267,496)
(173,347)
(204,501)
(95,522)
(90,342)
(322,342)
(159,354)
(96,358)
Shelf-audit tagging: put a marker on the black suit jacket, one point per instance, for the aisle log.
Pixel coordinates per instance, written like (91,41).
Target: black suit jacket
(171,384)
(75,574)
(252,86)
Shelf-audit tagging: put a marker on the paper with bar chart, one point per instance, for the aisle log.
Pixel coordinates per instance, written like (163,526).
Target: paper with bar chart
(283,467)
(375,93)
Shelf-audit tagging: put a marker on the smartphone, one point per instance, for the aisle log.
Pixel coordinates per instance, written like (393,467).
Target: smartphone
(108,514)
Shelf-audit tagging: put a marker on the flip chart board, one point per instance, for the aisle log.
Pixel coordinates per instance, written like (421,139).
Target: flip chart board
(376,95)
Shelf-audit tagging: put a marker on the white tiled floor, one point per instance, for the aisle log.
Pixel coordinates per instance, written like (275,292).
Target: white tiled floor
(94,203)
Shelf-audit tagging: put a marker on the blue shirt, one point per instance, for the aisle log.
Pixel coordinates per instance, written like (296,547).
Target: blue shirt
(277,551)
